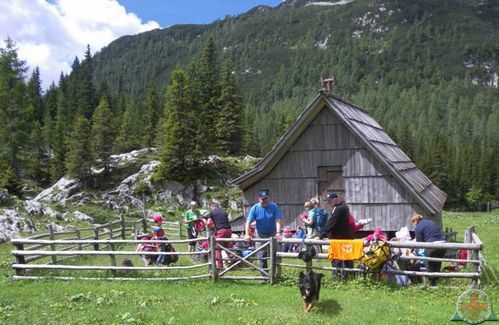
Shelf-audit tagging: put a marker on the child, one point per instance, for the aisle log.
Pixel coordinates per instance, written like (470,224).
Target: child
(158,220)
(146,247)
(287,233)
(159,234)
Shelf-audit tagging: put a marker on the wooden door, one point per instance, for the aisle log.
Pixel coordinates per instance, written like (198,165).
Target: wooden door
(330,180)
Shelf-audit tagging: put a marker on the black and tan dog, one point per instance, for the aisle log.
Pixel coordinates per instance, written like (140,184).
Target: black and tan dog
(310,287)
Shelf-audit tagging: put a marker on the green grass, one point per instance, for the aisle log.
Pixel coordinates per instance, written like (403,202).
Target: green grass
(486,226)
(202,301)
(78,302)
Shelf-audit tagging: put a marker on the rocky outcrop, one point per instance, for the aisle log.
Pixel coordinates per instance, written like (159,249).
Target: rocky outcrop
(60,192)
(129,157)
(11,224)
(170,192)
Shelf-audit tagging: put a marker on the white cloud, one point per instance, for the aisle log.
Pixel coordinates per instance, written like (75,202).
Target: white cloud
(49,34)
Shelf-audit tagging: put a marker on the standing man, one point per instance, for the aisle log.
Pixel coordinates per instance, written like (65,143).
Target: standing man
(267,216)
(429,232)
(221,223)
(337,226)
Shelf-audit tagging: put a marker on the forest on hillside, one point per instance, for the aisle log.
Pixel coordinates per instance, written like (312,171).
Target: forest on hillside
(429,81)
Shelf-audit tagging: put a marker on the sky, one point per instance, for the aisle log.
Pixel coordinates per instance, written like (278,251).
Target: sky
(50,33)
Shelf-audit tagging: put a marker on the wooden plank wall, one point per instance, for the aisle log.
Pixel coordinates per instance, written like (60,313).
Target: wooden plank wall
(370,191)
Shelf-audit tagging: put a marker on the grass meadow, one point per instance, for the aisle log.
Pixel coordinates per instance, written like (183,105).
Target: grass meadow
(358,301)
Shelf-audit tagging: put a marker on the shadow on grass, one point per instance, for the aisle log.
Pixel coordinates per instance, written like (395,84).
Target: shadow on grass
(328,307)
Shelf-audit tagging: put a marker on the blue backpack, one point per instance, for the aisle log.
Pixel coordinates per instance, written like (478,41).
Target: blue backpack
(320,218)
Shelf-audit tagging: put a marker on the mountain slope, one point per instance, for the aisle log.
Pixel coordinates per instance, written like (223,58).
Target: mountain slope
(426,70)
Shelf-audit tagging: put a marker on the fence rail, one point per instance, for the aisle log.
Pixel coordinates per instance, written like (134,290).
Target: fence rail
(269,251)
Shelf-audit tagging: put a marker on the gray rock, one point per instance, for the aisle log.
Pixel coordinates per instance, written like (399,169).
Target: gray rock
(83,217)
(60,191)
(33,208)
(4,195)
(126,158)
(11,224)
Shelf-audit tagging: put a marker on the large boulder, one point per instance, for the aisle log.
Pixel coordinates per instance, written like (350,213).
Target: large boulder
(11,224)
(60,191)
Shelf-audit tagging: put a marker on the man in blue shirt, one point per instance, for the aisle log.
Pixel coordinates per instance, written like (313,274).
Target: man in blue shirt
(268,218)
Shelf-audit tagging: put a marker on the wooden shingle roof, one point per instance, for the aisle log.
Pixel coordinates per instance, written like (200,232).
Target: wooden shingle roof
(370,133)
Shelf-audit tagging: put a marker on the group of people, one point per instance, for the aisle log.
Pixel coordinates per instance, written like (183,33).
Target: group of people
(264,220)
(340,224)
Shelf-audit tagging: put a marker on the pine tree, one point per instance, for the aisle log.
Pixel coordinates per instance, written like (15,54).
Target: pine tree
(13,106)
(151,114)
(131,131)
(177,150)
(87,95)
(78,157)
(209,94)
(102,135)
(249,142)
(58,147)
(228,125)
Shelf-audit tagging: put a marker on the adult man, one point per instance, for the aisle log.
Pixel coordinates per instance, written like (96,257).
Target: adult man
(221,223)
(428,231)
(267,216)
(337,226)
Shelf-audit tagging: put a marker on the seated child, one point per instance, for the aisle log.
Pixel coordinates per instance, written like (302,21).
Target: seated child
(159,234)
(147,247)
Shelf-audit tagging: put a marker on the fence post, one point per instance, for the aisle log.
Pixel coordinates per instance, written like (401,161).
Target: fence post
(20,259)
(52,246)
(110,228)
(96,237)
(179,230)
(113,259)
(78,237)
(144,224)
(272,263)
(213,245)
(134,232)
(122,221)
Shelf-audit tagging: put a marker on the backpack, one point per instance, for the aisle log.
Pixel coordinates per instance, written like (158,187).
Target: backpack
(169,259)
(320,218)
(377,255)
(199,226)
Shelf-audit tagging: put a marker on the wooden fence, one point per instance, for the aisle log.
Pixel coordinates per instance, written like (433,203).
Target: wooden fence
(276,259)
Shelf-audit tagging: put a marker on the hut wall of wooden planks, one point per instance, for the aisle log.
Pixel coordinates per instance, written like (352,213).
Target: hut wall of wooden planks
(335,146)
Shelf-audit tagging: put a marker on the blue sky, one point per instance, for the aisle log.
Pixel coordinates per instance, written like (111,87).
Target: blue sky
(172,12)
(50,33)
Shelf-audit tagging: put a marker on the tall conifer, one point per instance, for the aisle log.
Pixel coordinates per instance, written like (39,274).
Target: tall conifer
(228,126)
(13,106)
(102,134)
(78,160)
(177,149)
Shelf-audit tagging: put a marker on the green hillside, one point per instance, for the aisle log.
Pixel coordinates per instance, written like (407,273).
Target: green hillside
(426,70)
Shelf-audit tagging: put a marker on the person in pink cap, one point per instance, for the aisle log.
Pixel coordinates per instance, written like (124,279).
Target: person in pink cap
(158,220)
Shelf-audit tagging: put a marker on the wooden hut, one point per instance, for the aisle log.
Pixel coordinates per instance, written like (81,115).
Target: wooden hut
(336,146)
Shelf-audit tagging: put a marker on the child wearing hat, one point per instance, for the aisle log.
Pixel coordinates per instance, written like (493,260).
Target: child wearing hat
(159,234)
